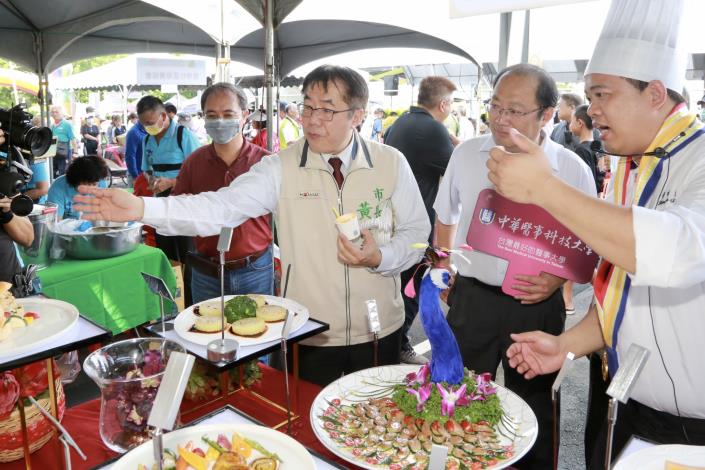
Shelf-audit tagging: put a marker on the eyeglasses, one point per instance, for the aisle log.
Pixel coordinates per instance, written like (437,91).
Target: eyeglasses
(496,110)
(324,114)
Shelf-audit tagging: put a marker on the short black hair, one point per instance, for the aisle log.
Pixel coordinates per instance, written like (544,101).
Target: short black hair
(581,112)
(170,108)
(131,116)
(149,103)
(546,91)
(355,93)
(641,86)
(223,87)
(572,99)
(86,170)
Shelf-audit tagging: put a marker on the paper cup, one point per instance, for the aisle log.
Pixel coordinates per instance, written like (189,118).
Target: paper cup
(348,225)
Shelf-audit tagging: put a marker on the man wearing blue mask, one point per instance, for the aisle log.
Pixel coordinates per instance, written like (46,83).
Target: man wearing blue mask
(249,266)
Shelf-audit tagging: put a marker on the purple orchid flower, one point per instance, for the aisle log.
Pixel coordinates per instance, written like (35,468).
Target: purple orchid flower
(484,384)
(422,395)
(420,377)
(450,398)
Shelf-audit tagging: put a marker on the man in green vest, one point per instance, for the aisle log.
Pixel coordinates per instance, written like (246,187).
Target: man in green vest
(334,277)
(289,129)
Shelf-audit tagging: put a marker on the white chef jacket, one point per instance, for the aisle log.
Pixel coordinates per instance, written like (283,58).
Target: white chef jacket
(669,286)
(466,176)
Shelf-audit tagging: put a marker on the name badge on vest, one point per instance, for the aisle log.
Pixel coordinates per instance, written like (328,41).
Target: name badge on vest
(309,194)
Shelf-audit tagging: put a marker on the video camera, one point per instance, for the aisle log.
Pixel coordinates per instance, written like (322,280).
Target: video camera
(21,138)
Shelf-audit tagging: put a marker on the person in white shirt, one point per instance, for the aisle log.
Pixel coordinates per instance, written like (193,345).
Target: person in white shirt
(481,315)
(332,167)
(650,230)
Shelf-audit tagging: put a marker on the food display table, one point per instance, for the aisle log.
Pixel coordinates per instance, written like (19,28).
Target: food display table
(110,291)
(82,422)
(83,333)
(229,415)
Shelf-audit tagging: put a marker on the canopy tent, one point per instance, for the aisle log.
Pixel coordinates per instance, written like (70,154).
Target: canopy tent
(45,35)
(300,42)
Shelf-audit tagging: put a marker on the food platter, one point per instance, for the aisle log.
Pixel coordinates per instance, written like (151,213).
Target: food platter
(185,320)
(654,458)
(294,456)
(351,388)
(55,318)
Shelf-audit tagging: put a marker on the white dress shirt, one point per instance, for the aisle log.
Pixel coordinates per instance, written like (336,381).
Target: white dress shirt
(466,176)
(256,193)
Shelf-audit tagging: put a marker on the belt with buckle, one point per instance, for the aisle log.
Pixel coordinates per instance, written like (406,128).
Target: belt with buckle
(211,266)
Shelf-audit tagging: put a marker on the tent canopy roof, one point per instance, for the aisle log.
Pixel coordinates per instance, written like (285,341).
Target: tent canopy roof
(46,35)
(300,42)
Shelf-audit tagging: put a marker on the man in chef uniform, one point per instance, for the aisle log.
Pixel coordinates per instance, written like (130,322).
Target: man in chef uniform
(650,230)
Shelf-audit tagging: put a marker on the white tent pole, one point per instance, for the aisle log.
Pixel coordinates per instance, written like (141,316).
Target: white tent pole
(269,67)
(505,26)
(525,45)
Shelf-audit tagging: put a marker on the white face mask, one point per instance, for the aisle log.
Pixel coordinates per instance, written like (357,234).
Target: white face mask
(222,131)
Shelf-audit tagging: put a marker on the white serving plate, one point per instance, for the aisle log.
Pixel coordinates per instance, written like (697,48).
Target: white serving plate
(56,317)
(294,455)
(347,386)
(654,458)
(184,321)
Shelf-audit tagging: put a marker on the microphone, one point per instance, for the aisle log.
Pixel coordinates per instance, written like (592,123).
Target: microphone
(658,152)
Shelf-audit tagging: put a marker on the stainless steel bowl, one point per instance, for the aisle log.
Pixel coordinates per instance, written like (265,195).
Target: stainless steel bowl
(97,242)
(108,223)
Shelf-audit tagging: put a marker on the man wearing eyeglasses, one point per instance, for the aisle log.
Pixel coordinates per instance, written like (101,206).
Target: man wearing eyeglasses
(248,264)
(481,315)
(332,168)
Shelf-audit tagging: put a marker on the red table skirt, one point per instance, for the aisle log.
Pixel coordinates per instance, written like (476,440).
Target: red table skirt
(82,423)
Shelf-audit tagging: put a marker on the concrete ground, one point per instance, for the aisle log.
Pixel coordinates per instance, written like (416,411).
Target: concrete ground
(574,391)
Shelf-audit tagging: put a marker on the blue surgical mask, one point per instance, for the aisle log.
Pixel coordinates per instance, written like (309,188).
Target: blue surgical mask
(222,131)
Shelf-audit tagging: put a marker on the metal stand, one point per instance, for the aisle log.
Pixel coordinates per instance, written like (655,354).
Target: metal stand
(285,334)
(611,421)
(158,448)
(166,404)
(159,288)
(223,350)
(556,400)
(620,389)
(375,327)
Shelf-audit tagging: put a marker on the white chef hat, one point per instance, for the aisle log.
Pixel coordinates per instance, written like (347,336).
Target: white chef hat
(640,40)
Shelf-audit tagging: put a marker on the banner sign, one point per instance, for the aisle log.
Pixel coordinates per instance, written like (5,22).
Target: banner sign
(530,239)
(155,71)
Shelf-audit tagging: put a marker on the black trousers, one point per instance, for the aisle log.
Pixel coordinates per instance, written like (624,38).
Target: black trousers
(657,426)
(596,412)
(411,306)
(325,364)
(482,317)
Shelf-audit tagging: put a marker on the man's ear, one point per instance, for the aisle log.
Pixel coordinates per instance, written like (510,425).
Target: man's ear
(657,93)
(547,115)
(358,116)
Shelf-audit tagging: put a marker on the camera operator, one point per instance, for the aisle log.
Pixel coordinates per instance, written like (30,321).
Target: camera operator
(12,229)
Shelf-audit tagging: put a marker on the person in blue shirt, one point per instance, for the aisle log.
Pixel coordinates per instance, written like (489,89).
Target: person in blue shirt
(66,146)
(165,147)
(133,151)
(38,187)
(90,170)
